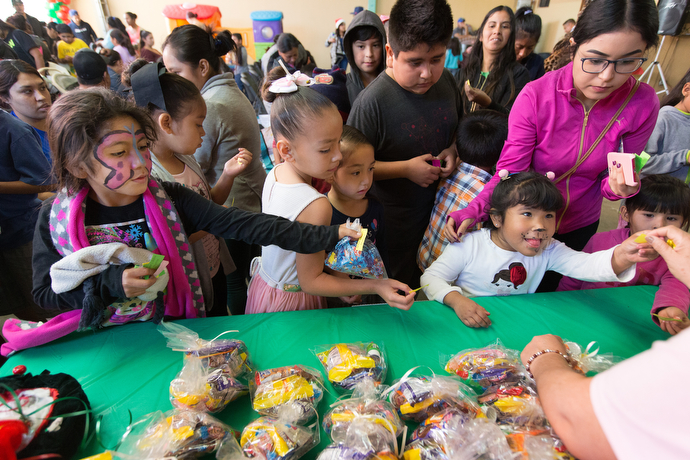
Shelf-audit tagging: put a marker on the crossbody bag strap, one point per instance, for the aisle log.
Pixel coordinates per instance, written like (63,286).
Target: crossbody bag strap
(601,135)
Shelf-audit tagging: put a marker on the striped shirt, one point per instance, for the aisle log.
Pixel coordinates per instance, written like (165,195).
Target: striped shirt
(454,192)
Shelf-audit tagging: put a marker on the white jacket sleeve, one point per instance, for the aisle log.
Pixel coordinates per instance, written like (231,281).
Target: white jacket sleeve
(595,267)
(444,271)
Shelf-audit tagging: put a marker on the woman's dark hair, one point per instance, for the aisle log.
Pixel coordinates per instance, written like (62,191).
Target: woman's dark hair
(52,26)
(179,93)
(131,15)
(10,69)
(606,16)
(20,22)
(454,46)
(238,37)
(502,65)
(527,24)
(289,111)
(7,28)
(113,58)
(191,44)
(481,136)
(123,40)
(142,36)
(363,33)
(116,23)
(75,125)
(527,188)
(661,193)
(676,94)
(415,22)
(287,42)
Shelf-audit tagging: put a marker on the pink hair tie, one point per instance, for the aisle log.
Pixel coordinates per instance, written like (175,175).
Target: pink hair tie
(290,82)
(503,174)
(550,175)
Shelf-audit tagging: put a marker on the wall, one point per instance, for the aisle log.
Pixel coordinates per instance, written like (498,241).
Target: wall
(552,19)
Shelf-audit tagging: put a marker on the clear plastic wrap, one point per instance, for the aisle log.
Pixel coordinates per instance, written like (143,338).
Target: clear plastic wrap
(514,403)
(481,439)
(291,392)
(357,257)
(268,438)
(347,364)
(181,434)
(440,427)
(417,398)
(197,387)
(338,420)
(545,447)
(588,359)
(365,438)
(213,374)
(482,367)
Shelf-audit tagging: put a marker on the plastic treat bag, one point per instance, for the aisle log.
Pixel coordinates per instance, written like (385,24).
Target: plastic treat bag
(441,427)
(179,434)
(347,364)
(290,392)
(364,439)
(514,403)
(481,439)
(268,438)
(197,387)
(418,398)
(229,355)
(338,420)
(589,359)
(358,258)
(483,367)
(545,447)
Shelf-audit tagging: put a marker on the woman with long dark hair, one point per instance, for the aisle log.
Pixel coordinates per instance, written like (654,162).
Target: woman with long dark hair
(492,78)
(124,47)
(528,32)
(230,123)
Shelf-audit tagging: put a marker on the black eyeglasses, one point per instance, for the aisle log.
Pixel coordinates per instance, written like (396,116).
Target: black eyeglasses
(598,65)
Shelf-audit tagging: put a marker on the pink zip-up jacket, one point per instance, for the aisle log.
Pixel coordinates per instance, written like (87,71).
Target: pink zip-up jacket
(549,129)
(671,293)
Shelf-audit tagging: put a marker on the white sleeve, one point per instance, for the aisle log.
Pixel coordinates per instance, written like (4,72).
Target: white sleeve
(593,267)
(441,274)
(641,403)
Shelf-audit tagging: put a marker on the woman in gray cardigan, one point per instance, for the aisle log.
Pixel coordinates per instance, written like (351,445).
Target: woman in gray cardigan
(230,124)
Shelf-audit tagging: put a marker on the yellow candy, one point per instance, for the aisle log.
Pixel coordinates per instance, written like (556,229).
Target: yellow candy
(104,456)
(279,445)
(348,362)
(643,239)
(282,391)
(412,454)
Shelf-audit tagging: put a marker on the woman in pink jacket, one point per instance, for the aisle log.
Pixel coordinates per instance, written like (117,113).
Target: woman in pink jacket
(569,120)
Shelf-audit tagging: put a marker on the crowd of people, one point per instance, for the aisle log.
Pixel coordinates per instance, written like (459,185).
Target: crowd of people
(159,153)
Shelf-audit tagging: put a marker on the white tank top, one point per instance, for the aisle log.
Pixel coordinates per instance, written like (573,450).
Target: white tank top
(278,266)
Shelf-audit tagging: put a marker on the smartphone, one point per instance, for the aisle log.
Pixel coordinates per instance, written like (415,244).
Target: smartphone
(626,161)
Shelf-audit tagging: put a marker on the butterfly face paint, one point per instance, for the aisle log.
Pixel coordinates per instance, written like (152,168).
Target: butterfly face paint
(122,152)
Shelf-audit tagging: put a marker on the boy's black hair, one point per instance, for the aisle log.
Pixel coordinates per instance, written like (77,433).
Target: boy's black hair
(416,22)
(569,21)
(662,193)
(64,29)
(480,137)
(352,137)
(529,189)
(364,33)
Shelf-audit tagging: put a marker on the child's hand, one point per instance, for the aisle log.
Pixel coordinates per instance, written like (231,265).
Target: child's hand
(672,327)
(629,252)
(477,95)
(344,231)
(235,165)
(472,314)
(351,300)
(420,172)
(453,235)
(618,185)
(133,283)
(396,294)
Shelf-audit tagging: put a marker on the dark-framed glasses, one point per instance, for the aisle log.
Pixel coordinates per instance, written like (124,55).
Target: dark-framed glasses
(598,65)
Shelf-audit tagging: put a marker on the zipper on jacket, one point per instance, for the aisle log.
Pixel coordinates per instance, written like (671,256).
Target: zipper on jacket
(579,154)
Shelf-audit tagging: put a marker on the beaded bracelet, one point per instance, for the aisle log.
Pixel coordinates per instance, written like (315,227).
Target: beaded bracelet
(543,352)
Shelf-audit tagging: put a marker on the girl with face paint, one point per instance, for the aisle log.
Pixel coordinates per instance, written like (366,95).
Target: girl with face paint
(512,255)
(110,213)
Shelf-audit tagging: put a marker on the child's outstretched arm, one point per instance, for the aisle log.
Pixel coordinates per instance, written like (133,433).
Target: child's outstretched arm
(439,279)
(233,167)
(313,279)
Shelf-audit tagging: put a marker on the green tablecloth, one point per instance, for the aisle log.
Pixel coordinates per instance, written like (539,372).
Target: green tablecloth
(129,367)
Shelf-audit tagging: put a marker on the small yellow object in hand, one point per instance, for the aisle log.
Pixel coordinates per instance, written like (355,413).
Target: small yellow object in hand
(643,239)
(415,290)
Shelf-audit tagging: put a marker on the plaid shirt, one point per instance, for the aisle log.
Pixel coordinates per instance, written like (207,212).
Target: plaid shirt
(454,192)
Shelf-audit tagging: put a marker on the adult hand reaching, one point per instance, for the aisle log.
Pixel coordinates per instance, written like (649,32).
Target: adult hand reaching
(677,258)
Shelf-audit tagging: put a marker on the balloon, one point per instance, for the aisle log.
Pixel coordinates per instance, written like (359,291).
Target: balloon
(65,2)
(53,14)
(64,8)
